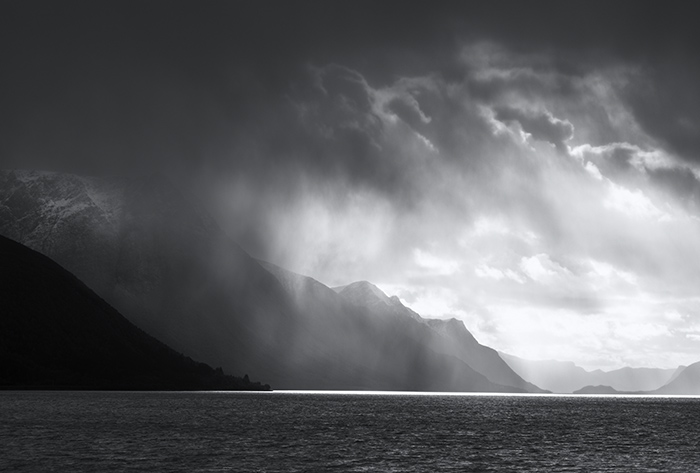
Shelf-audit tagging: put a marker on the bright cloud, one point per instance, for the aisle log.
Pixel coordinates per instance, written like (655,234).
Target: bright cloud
(524,200)
(631,203)
(542,269)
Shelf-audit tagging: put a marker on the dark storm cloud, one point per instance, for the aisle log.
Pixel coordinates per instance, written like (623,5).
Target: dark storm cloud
(409,112)
(616,162)
(632,166)
(541,125)
(667,103)
(181,87)
(223,89)
(145,85)
(679,182)
(341,130)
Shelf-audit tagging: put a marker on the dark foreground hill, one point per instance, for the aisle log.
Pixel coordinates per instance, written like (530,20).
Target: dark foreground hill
(56,333)
(161,263)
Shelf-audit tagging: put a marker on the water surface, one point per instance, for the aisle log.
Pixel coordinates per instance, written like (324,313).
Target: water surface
(288,432)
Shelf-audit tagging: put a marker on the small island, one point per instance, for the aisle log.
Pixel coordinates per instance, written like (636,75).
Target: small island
(600,389)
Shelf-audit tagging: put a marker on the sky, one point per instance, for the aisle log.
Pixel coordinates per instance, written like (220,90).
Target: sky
(531,168)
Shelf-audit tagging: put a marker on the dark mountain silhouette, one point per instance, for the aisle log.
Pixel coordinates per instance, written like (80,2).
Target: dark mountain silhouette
(57,333)
(449,337)
(601,389)
(165,265)
(566,377)
(159,261)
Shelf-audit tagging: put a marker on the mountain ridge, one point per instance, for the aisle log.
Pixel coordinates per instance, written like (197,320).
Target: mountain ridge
(168,267)
(408,350)
(448,336)
(687,382)
(172,272)
(567,377)
(368,294)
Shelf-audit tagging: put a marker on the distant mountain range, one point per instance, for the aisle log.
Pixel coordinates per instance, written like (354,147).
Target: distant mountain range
(165,265)
(685,381)
(566,377)
(57,333)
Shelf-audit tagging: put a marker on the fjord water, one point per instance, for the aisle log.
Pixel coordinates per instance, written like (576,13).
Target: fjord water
(287,432)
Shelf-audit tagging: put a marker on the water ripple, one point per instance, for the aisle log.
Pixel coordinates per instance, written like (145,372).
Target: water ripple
(291,432)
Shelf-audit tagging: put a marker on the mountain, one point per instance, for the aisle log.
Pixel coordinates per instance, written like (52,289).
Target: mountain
(382,348)
(684,381)
(687,382)
(449,337)
(566,377)
(676,373)
(161,262)
(484,359)
(635,379)
(597,390)
(57,333)
(366,294)
(164,264)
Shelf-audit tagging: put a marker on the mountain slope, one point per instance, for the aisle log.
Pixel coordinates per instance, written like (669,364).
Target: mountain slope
(449,337)
(687,382)
(367,295)
(676,373)
(57,333)
(171,271)
(161,262)
(484,359)
(393,349)
(566,377)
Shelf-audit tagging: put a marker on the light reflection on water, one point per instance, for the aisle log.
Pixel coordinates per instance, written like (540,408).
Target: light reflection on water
(348,431)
